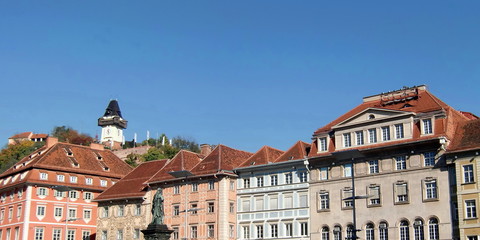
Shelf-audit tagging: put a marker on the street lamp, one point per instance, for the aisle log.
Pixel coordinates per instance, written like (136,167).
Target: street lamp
(352,155)
(184,174)
(67,219)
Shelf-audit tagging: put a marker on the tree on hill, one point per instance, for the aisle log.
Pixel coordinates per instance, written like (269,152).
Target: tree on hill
(70,135)
(189,144)
(11,154)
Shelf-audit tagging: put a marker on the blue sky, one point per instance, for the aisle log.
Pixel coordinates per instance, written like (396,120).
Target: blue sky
(240,73)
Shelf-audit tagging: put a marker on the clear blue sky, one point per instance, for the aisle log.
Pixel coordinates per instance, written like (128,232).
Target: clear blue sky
(240,73)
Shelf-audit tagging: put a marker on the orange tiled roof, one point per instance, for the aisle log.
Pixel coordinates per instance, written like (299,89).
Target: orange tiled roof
(21,135)
(263,156)
(467,137)
(56,158)
(39,135)
(298,151)
(221,159)
(183,160)
(133,184)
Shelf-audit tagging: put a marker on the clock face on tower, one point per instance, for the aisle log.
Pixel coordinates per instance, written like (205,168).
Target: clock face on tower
(108,131)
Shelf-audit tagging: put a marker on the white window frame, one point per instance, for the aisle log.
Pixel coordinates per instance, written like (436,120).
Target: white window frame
(468,173)
(429,159)
(60,178)
(470,209)
(359,138)
(322,144)
(399,131)
(43,176)
(386,136)
(89,181)
(347,140)
(372,135)
(373,166)
(427,126)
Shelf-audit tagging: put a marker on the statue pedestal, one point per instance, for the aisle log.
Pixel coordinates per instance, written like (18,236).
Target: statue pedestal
(157,232)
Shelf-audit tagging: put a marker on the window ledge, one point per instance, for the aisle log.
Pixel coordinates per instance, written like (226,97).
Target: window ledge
(402,203)
(467,183)
(430,200)
(374,205)
(323,210)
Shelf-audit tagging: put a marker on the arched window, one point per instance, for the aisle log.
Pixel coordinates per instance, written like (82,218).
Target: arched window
(383,230)
(369,232)
(433,229)
(418,229)
(404,230)
(325,233)
(337,233)
(349,231)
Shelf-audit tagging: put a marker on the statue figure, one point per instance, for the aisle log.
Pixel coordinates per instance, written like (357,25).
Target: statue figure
(157,208)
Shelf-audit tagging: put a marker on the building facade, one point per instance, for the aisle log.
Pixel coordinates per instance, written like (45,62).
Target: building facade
(48,194)
(379,171)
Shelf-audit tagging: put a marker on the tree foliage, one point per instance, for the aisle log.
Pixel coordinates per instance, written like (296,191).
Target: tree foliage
(161,148)
(180,142)
(69,135)
(14,153)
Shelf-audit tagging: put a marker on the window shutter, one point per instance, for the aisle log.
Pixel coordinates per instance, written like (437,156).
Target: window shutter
(402,189)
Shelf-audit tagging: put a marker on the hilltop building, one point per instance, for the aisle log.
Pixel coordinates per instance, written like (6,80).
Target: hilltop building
(27,136)
(112,124)
(48,194)
(380,169)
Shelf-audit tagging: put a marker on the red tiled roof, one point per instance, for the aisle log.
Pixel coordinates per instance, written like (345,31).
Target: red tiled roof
(263,156)
(298,151)
(184,160)
(56,158)
(467,137)
(133,184)
(221,159)
(469,115)
(21,135)
(39,135)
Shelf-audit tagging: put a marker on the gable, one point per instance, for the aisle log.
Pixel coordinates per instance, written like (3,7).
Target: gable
(371,115)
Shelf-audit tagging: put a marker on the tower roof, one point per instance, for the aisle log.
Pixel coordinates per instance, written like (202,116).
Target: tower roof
(112,116)
(113,110)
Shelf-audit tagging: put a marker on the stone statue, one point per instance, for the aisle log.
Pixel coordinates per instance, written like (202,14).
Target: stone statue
(157,208)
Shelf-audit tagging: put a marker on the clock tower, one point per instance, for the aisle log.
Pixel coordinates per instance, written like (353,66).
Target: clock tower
(112,124)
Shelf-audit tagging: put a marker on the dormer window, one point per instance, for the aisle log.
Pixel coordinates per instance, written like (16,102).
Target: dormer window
(61,178)
(427,127)
(68,151)
(399,131)
(88,181)
(322,144)
(43,176)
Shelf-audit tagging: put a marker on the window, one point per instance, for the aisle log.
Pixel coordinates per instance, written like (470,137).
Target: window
(369,232)
(359,138)
(468,237)
(288,178)
(105,212)
(211,231)
(404,230)
(40,211)
(347,195)
(273,200)
(468,176)
(138,210)
(386,133)
(273,180)
(2,215)
(259,203)
(303,199)
(59,194)
(43,176)
(372,135)
(418,229)
(85,235)
(231,231)
(427,126)
(374,195)
(373,166)
(232,185)
(246,232)
(322,144)
(324,201)
(19,211)
(176,210)
(73,179)
(287,200)
(347,170)
(232,207)
(401,191)
(136,233)
(121,211)
(176,189)
(42,191)
(103,183)
(246,183)
(61,178)
(38,233)
(325,233)
(175,233)
(433,233)
(88,181)
(273,230)
(104,235)
(10,213)
(211,185)
(383,231)
(349,232)
(57,233)
(246,204)
(324,173)
(470,209)
(20,193)
(429,158)
(119,234)
(87,195)
(259,231)
(72,213)
(304,228)
(87,213)
(58,212)
(303,176)
(401,162)
(211,207)
(347,141)
(260,181)
(399,131)
(337,233)
(431,189)
(193,231)
(194,187)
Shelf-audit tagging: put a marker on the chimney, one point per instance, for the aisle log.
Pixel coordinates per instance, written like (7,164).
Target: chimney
(97,146)
(205,149)
(51,141)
